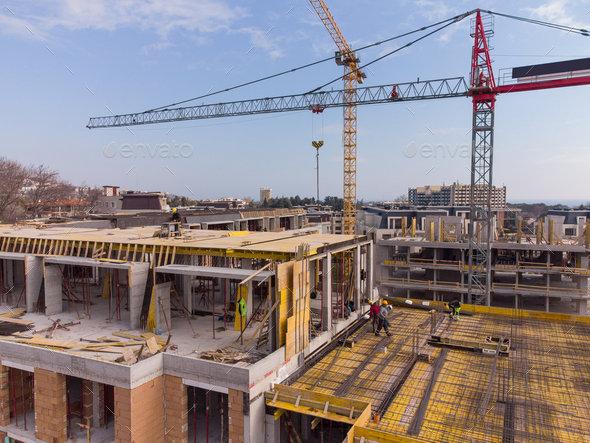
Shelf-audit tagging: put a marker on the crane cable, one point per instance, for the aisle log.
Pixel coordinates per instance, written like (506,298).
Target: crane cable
(571,29)
(448,22)
(452,19)
(456,19)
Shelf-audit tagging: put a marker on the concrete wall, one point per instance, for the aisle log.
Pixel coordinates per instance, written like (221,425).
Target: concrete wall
(34,278)
(53,290)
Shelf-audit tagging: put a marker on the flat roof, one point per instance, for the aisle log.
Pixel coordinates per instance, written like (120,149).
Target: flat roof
(284,243)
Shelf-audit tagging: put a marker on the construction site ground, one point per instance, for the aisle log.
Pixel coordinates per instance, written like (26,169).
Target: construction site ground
(540,392)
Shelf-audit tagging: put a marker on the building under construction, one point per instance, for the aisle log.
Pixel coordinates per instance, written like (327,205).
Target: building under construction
(148,334)
(139,335)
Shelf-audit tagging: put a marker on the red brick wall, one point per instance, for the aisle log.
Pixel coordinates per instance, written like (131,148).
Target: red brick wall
(236,416)
(50,406)
(139,413)
(87,400)
(176,420)
(4,396)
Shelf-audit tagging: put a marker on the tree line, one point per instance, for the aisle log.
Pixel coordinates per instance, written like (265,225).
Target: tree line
(26,191)
(336,203)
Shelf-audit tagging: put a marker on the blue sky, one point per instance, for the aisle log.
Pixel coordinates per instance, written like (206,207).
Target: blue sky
(65,61)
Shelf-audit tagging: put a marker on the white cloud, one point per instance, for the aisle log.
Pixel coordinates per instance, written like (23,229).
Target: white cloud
(555,11)
(434,10)
(162,16)
(159,46)
(264,40)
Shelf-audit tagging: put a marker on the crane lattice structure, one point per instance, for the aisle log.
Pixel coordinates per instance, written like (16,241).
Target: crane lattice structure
(352,76)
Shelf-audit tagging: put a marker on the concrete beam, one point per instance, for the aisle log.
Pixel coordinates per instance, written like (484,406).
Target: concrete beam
(213,373)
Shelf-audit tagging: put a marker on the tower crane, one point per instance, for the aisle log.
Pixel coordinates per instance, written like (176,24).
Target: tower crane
(482,89)
(352,76)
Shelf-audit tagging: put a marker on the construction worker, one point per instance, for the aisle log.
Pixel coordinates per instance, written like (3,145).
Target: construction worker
(175,215)
(383,323)
(455,307)
(374,314)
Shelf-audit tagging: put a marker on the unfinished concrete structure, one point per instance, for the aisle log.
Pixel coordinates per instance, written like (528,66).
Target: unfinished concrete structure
(139,337)
(539,271)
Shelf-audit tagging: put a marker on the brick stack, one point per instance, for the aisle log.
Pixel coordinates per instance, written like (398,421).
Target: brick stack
(139,413)
(87,402)
(235,406)
(4,396)
(176,422)
(50,406)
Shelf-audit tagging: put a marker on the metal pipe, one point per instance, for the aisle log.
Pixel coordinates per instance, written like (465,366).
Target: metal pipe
(13,396)
(208,416)
(22,392)
(106,399)
(81,401)
(222,412)
(195,414)
(213,304)
(225,305)
(69,407)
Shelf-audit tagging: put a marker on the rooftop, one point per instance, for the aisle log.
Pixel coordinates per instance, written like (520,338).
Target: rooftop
(455,386)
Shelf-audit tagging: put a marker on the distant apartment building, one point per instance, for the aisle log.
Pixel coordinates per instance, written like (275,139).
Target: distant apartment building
(265,194)
(456,194)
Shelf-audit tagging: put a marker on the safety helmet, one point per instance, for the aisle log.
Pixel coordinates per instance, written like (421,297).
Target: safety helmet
(174,210)
(385,303)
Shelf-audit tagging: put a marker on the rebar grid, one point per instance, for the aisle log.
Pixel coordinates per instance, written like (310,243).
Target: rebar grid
(540,392)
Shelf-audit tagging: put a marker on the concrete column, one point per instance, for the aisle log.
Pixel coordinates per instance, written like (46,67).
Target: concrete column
(176,410)
(272,429)
(138,273)
(34,277)
(582,307)
(327,292)
(235,418)
(88,402)
(162,292)
(53,290)
(370,270)
(50,406)
(139,413)
(98,404)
